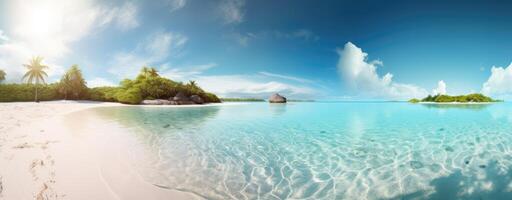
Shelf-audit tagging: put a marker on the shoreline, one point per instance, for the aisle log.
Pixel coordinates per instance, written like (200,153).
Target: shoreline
(59,149)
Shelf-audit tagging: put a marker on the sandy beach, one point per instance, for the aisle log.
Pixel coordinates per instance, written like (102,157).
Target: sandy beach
(46,154)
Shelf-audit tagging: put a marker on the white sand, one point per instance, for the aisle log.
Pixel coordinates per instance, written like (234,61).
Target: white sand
(45,154)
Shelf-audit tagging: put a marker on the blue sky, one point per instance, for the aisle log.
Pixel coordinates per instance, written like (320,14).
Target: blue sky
(244,48)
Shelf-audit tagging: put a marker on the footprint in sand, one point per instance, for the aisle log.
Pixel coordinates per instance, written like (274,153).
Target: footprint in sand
(35,163)
(22,146)
(1,186)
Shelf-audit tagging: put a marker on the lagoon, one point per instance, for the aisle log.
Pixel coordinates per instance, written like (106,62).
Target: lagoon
(324,150)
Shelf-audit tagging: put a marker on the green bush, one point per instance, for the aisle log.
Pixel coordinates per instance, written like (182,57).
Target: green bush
(103,94)
(25,92)
(129,96)
(147,85)
(414,100)
(460,98)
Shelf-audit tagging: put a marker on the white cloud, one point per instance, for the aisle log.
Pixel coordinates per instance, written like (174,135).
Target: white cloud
(441,88)
(152,51)
(499,83)
(185,73)
(232,11)
(48,28)
(258,85)
(250,86)
(99,82)
(176,4)
(124,17)
(293,78)
(361,77)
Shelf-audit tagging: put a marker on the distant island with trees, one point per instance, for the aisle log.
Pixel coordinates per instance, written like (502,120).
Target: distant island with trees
(442,98)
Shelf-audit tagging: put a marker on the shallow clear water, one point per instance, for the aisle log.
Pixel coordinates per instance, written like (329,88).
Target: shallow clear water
(327,150)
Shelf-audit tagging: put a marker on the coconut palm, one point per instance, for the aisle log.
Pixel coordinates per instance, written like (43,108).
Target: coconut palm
(2,75)
(145,71)
(35,72)
(153,72)
(192,83)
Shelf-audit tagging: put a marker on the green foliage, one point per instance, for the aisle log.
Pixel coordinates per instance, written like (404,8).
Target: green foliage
(108,94)
(210,97)
(35,73)
(25,92)
(414,100)
(129,96)
(460,98)
(72,84)
(2,75)
(147,85)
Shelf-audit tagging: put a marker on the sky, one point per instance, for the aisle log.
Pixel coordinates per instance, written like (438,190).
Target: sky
(339,50)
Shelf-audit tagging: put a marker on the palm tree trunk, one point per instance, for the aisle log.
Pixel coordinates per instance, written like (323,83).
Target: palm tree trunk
(36,94)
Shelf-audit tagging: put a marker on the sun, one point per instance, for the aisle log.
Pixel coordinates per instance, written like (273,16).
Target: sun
(38,20)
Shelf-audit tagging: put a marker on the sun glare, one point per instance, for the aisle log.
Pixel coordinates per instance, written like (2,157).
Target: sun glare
(39,20)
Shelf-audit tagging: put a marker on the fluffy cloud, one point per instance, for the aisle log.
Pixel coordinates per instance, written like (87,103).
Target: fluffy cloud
(499,83)
(441,88)
(259,85)
(232,11)
(361,77)
(99,82)
(153,50)
(124,17)
(49,27)
(176,4)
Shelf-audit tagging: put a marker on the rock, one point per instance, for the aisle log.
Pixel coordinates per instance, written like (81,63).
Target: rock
(181,99)
(197,99)
(151,102)
(276,98)
(156,102)
(164,101)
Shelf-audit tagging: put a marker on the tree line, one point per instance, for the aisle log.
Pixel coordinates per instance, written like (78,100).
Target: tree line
(147,85)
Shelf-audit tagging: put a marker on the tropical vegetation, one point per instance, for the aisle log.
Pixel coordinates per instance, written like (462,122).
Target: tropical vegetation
(147,85)
(441,98)
(35,73)
(2,75)
(72,84)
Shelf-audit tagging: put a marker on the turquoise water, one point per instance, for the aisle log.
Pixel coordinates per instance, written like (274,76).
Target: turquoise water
(327,150)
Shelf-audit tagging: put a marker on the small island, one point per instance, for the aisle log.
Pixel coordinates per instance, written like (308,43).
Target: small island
(442,98)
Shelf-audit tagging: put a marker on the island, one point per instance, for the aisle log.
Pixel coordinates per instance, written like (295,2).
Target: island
(147,88)
(442,98)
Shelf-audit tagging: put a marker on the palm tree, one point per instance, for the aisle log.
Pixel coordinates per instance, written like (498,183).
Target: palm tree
(145,71)
(153,72)
(64,85)
(72,82)
(2,75)
(192,83)
(35,72)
